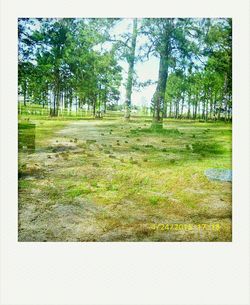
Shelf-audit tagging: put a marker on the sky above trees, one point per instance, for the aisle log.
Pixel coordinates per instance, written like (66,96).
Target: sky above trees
(145,70)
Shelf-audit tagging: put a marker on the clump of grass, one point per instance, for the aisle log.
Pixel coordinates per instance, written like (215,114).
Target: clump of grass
(24,184)
(154,200)
(32,169)
(134,131)
(90,155)
(94,184)
(65,155)
(211,148)
(189,146)
(76,192)
(82,145)
(135,147)
(53,193)
(172,132)
(172,161)
(90,141)
(112,187)
(134,161)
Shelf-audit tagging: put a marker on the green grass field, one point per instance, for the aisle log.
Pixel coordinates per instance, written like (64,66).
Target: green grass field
(110,180)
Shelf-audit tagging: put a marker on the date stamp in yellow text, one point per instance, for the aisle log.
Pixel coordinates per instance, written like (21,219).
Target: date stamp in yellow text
(185,227)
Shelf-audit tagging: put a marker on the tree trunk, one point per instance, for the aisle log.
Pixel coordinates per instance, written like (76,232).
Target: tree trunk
(131,62)
(182,105)
(159,95)
(189,106)
(25,92)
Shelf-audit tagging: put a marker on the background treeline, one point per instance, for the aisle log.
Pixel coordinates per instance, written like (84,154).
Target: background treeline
(67,65)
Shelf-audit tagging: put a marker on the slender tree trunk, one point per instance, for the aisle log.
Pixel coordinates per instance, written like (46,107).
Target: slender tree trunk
(177,109)
(70,102)
(25,92)
(170,109)
(53,110)
(159,95)
(105,103)
(195,109)
(94,105)
(131,62)
(182,105)
(189,106)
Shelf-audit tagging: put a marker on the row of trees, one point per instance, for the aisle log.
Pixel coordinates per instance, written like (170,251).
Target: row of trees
(62,64)
(66,62)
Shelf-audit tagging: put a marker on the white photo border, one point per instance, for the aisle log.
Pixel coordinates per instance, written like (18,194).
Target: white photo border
(125,273)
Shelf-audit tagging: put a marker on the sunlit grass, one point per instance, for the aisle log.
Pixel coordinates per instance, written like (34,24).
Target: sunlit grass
(122,177)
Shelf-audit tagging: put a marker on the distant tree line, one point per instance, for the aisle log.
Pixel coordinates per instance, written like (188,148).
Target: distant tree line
(69,64)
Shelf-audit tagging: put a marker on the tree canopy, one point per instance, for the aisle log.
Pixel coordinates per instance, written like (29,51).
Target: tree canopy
(72,63)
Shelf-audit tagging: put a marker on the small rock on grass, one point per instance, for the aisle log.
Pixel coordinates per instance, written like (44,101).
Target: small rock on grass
(219,174)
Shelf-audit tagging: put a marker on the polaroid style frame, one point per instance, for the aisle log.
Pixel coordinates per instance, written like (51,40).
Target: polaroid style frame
(125,273)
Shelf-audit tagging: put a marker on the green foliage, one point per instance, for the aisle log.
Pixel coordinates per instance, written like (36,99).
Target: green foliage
(66,65)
